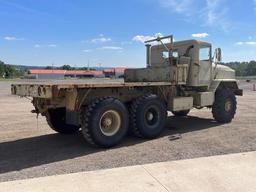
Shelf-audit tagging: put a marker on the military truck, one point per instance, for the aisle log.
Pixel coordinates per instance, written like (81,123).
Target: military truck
(179,76)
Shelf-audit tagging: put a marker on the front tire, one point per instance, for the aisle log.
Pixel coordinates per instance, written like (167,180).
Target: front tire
(147,116)
(104,122)
(225,105)
(56,119)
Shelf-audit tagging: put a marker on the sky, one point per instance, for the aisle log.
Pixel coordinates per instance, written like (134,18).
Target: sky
(110,33)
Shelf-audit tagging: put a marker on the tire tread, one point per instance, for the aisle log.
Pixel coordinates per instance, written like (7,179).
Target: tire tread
(217,108)
(133,113)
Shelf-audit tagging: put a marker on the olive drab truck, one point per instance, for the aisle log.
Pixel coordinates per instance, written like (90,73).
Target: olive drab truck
(178,77)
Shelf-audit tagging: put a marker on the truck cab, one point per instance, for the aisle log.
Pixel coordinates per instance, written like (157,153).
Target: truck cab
(194,60)
(193,69)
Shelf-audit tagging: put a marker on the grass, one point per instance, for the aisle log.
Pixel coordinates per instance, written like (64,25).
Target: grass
(246,77)
(10,79)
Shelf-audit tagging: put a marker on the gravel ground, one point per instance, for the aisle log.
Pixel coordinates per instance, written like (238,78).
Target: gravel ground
(28,148)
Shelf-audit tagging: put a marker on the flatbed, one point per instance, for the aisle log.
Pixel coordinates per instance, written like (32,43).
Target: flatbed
(46,89)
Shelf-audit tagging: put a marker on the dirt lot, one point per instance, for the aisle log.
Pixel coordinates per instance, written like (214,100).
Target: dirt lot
(28,148)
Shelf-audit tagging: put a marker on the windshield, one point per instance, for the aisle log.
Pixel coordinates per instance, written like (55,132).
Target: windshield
(205,54)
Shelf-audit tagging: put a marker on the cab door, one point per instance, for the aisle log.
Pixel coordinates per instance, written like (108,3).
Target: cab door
(205,66)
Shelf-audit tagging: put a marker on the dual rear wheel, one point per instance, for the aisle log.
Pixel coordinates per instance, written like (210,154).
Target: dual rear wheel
(147,116)
(105,122)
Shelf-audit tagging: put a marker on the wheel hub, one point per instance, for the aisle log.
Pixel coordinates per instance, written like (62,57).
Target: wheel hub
(107,122)
(150,116)
(110,123)
(228,106)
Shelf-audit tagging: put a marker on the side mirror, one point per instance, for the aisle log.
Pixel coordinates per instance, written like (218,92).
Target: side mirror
(218,55)
(148,46)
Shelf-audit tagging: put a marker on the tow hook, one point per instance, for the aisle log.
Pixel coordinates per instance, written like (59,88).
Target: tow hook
(36,111)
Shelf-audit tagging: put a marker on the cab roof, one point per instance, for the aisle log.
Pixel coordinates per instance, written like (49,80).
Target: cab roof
(191,42)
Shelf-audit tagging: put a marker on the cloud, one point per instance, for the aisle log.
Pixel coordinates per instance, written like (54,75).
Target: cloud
(52,45)
(48,45)
(143,38)
(215,15)
(111,48)
(11,38)
(211,13)
(126,43)
(246,43)
(37,46)
(87,50)
(179,6)
(19,7)
(200,35)
(101,39)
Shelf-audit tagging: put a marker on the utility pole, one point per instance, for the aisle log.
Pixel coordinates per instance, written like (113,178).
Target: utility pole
(88,65)
(75,70)
(52,66)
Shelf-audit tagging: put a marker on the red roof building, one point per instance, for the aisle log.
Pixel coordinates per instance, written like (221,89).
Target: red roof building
(64,72)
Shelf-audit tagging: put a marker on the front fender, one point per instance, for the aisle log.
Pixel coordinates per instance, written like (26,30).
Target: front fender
(226,83)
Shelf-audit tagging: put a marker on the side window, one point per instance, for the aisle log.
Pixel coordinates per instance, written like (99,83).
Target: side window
(165,54)
(175,54)
(204,54)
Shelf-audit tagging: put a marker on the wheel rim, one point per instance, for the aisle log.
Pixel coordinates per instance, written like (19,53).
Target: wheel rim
(110,123)
(228,106)
(151,116)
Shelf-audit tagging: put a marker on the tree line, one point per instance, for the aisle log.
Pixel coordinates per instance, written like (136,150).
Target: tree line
(243,68)
(69,68)
(8,71)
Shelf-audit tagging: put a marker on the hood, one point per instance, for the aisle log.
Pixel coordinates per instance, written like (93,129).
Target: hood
(224,72)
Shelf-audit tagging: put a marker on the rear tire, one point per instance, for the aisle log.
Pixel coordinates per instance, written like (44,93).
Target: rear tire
(181,113)
(104,122)
(147,116)
(56,119)
(225,105)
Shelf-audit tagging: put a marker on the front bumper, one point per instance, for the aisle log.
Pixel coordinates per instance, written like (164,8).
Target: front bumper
(239,92)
